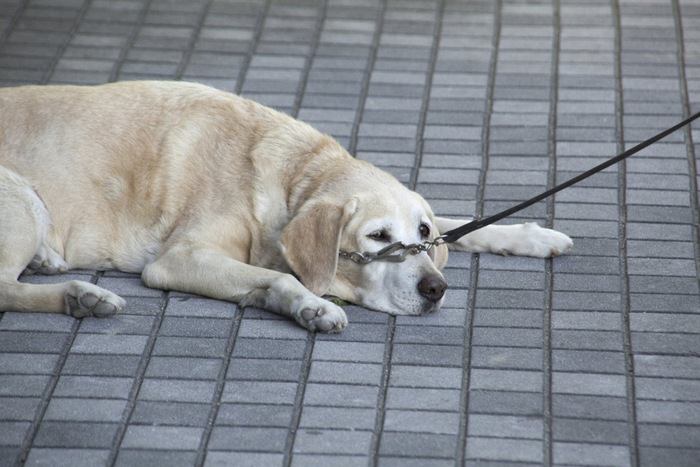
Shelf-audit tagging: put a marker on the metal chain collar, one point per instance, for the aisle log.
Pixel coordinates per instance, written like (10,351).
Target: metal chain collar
(387,253)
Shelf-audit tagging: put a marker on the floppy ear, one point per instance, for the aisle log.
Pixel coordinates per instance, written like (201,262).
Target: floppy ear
(311,240)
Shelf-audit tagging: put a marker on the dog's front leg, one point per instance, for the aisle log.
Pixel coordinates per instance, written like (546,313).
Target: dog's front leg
(212,273)
(517,239)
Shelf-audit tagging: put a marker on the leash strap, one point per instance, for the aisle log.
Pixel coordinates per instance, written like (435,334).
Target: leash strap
(455,234)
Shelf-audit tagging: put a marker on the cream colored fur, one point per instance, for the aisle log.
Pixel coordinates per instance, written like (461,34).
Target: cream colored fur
(205,192)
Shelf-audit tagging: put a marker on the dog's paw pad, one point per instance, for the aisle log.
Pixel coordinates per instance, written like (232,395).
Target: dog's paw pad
(325,318)
(84,299)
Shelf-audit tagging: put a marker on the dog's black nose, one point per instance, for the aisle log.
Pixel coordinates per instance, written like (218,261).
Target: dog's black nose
(432,288)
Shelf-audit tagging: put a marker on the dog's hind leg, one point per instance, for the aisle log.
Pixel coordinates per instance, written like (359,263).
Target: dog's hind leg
(24,223)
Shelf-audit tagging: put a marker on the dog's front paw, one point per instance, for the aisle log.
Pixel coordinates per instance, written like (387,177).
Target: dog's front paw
(321,316)
(539,242)
(84,299)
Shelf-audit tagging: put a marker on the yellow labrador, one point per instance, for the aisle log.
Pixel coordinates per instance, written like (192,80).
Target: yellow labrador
(206,192)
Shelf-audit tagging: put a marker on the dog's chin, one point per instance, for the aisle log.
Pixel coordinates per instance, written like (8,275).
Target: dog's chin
(422,308)
(429,308)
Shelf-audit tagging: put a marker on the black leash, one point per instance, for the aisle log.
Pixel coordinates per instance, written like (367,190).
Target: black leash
(451,236)
(455,234)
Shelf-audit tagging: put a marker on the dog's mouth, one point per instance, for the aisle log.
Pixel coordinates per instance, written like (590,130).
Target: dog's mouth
(429,308)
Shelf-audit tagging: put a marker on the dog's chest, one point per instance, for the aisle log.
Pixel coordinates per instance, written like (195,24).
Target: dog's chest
(271,216)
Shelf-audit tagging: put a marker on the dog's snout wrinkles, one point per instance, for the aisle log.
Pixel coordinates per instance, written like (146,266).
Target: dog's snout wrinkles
(432,288)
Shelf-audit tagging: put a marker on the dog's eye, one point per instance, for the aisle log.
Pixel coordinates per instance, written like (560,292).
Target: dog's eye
(380,236)
(424,230)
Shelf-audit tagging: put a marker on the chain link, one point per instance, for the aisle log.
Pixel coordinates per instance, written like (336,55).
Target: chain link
(388,253)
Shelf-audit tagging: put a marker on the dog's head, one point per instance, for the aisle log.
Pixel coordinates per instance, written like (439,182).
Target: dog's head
(357,215)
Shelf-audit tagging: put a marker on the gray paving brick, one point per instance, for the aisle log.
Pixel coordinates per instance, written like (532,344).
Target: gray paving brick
(93,386)
(259,392)
(662,365)
(176,390)
(247,438)
(569,452)
(129,457)
(669,343)
(254,415)
(505,402)
(189,347)
(119,324)
(88,410)
(28,363)
(108,344)
(348,351)
(417,444)
(265,369)
(425,376)
(338,418)
(427,354)
(657,455)
(421,422)
(243,459)
(669,435)
(183,367)
(332,441)
(18,408)
(333,460)
(169,413)
(341,372)
(67,457)
(506,426)
(25,385)
(269,348)
(174,438)
(340,395)
(512,337)
(43,342)
(506,357)
(101,365)
(36,322)
(128,287)
(12,433)
(504,450)
(75,435)
(590,431)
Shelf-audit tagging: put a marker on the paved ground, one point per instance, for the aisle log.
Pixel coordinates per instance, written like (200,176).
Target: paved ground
(593,358)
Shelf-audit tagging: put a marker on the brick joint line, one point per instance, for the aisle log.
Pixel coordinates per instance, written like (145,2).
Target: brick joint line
(463,431)
(551,212)
(622,244)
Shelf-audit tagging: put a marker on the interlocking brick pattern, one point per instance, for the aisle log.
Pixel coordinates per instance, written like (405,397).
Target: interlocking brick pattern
(589,359)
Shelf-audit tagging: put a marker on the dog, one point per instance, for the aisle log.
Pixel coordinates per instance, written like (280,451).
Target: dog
(205,192)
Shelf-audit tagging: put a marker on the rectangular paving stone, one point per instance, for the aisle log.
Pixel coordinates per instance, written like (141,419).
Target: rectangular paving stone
(169,413)
(259,392)
(183,367)
(254,415)
(176,390)
(248,438)
(73,457)
(338,418)
(63,434)
(332,441)
(108,344)
(127,457)
(90,410)
(504,449)
(265,369)
(174,438)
